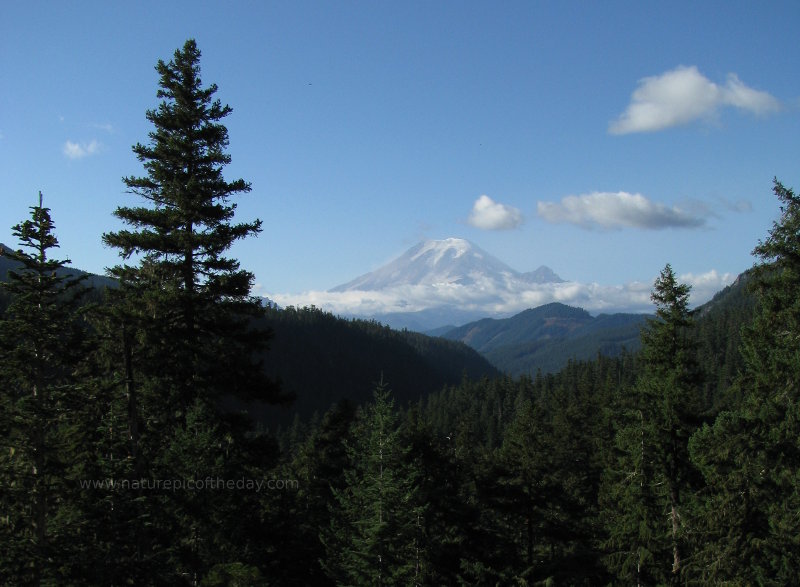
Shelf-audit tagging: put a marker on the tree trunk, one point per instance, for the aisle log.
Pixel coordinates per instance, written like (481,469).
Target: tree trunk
(676,557)
(130,392)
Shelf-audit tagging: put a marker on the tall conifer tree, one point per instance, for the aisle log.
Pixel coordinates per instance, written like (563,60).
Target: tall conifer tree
(183,322)
(195,300)
(376,519)
(654,479)
(42,343)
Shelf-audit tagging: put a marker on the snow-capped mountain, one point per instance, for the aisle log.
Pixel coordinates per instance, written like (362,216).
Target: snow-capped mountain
(451,261)
(451,282)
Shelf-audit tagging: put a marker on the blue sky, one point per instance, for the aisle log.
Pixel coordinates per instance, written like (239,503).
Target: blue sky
(603,139)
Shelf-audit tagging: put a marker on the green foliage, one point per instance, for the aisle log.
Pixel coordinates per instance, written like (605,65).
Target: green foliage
(718,328)
(180,339)
(540,498)
(233,575)
(184,287)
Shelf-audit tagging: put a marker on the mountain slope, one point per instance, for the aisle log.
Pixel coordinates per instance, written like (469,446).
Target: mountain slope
(609,338)
(549,321)
(719,323)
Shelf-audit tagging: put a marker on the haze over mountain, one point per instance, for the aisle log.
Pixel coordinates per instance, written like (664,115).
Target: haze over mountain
(450,282)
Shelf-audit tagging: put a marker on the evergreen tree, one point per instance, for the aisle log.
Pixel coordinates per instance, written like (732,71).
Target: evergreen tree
(653,477)
(196,302)
(42,344)
(182,324)
(376,518)
(750,457)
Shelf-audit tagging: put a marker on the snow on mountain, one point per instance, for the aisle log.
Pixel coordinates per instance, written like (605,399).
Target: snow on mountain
(451,261)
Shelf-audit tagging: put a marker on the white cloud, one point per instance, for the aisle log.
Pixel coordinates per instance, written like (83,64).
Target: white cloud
(613,210)
(491,299)
(80,150)
(683,95)
(705,285)
(735,93)
(490,215)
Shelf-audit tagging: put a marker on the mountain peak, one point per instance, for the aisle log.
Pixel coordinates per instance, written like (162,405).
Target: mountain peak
(455,247)
(431,262)
(434,252)
(541,275)
(450,261)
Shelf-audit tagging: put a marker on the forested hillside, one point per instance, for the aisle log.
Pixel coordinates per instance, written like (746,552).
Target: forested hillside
(321,359)
(132,453)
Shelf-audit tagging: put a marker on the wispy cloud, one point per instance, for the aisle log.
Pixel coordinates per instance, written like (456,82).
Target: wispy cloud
(490,215)
(80,150)
(683,95)
(615,210)
(107,127)
(736,206)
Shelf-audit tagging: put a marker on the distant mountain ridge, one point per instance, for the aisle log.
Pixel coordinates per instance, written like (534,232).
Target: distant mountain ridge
(437,283)
(92,279)
(546,337)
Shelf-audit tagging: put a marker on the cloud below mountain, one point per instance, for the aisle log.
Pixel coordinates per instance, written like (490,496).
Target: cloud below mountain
(489,298)
(683,95)
(615,210)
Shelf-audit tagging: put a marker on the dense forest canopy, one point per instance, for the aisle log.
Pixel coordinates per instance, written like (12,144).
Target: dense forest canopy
(132,451)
